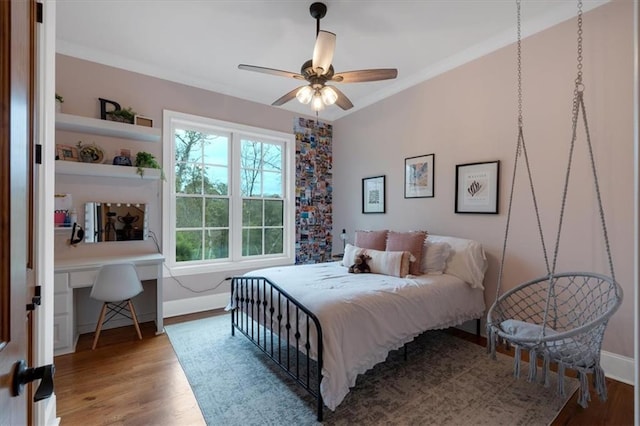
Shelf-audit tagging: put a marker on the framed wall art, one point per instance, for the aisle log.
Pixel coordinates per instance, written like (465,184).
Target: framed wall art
(477,188)
(373,194)
(419,176)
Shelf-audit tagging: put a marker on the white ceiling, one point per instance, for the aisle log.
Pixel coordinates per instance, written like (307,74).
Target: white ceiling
(201,42)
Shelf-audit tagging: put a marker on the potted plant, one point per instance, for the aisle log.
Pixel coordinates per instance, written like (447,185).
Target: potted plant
(125,115)
(59,102)
(147,160)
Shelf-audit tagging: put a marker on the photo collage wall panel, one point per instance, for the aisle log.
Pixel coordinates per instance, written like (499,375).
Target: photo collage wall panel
(314,189)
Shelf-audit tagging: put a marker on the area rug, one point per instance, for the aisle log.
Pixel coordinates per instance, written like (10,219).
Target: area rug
(444,381)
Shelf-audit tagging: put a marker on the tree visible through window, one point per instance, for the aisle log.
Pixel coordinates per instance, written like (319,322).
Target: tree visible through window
(229,195)
(262,204)
(202,195)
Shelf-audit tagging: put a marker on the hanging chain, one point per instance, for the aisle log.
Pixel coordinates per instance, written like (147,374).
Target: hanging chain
(520,149)
(578,104)
(579,86)
(519,70)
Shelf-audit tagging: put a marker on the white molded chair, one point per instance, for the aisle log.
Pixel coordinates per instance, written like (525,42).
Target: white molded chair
(115,285)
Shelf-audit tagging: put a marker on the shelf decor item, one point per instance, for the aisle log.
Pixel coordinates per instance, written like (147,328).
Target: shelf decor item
(66,152)
(118,114)
(90,153)
(139,120)
(123,159)
(147,160)
(59,102)
(126,115)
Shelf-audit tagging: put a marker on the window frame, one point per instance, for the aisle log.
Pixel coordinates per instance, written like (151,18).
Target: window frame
(235,262)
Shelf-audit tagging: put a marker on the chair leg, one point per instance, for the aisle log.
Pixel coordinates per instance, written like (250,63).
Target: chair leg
(99,325)
(135,319)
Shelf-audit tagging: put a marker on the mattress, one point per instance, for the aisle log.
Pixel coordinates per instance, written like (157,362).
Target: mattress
(364,316)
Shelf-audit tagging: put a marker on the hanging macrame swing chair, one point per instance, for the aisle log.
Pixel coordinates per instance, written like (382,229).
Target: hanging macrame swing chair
(560,317)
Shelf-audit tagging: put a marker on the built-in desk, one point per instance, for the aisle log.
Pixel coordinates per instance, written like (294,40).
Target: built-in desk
(74,274)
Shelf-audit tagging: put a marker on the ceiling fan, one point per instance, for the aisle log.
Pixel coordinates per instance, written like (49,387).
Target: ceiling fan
(318,71)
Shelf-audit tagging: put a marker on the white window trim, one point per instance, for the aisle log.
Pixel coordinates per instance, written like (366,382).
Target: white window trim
(169,119)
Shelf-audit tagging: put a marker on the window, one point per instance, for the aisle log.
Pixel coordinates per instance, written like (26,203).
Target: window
(228,199)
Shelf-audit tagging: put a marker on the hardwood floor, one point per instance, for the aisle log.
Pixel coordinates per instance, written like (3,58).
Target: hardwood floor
(127,381)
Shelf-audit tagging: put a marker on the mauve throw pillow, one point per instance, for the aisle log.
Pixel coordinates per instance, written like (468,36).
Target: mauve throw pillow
(375,240)
(408,241)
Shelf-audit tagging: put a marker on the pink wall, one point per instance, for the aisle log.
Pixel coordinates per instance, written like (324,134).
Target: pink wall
(469,115)
(465,115)
(81,83)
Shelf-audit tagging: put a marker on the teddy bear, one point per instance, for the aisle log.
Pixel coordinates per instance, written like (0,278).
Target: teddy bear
(360,265)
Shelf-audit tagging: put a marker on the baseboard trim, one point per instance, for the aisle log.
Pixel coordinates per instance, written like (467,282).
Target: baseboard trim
(618,367)
(173,308)
(615,366)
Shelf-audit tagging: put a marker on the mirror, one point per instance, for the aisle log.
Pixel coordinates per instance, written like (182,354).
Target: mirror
(115,222)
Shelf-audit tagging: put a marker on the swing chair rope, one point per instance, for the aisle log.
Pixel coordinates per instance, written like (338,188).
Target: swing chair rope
(577,107)
(570,330)
(521,149)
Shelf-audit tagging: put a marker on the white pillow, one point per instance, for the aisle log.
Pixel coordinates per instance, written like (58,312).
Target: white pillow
(393,263)
(467,260)
(434,257)
(350,253)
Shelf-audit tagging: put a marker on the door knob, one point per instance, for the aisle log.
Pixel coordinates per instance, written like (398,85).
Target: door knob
(23,375)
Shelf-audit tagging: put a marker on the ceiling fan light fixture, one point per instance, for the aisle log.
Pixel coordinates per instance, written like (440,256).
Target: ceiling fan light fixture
(329,96)
(316,103)
(323,52)
(305,94)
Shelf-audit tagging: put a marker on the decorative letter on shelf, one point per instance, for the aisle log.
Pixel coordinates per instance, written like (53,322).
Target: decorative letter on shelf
(103,107)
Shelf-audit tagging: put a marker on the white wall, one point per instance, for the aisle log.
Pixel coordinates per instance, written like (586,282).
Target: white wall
(469,115)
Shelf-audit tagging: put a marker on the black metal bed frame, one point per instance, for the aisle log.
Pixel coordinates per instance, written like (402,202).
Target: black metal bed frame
(266,315)
(259,307)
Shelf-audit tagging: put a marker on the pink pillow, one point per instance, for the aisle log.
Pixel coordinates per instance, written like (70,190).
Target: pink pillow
(375,240)
(408,241)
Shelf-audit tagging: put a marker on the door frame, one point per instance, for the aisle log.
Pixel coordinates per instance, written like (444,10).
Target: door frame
(44,189)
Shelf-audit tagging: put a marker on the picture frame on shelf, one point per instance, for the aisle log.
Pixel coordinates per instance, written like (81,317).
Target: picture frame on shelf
(140,120)
(67,152)
(373,194)
(419,174)
(477,187)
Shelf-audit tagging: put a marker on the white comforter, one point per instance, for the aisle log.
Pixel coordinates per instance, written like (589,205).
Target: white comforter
(364,316)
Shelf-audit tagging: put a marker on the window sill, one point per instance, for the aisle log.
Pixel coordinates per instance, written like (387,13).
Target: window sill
(230,268)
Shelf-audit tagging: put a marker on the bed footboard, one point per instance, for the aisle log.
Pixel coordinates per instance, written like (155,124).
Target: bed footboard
(282,328)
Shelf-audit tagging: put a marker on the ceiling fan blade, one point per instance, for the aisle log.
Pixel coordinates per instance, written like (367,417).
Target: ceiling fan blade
(365,75)
(271,71)
(323,52)
(287,97)
(342,101)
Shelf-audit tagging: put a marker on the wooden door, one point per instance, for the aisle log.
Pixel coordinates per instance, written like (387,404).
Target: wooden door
(15,115)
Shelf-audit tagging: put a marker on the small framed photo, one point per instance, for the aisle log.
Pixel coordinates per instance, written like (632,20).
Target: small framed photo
(139,120)
(66,152)
(477,187)
(419,176)
(373,194)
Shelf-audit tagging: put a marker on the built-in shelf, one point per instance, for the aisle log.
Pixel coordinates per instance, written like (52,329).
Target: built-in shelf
(103,170)
(76,123)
